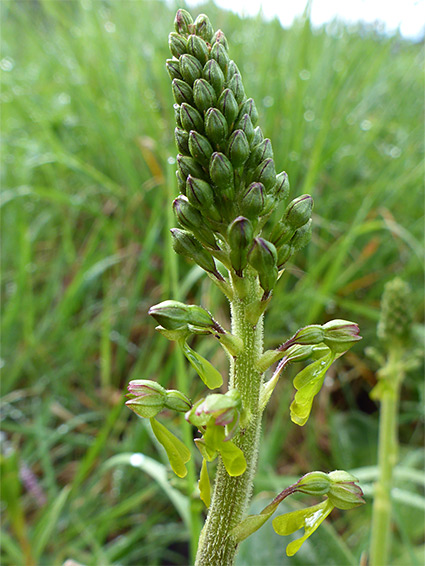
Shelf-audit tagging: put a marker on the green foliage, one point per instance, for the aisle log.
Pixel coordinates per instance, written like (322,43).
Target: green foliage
(88,128)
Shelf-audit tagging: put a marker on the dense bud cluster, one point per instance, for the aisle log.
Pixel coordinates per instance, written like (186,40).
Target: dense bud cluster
(225,167)
(395,323)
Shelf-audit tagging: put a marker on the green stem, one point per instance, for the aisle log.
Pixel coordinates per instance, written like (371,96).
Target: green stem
(182,382)
(232,494)
(387,459)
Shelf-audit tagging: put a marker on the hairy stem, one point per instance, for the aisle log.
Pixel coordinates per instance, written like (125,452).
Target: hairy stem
(232,494)
(387,459)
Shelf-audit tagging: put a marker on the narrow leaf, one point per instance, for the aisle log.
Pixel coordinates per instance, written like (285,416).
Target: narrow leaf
(309,519)
(176,451)
(204,484)
(207,372)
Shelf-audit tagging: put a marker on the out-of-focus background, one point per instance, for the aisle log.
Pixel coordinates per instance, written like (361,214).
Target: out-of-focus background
(87,130)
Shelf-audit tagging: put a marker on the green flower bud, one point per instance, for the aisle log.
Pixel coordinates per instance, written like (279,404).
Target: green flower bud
(216,126)
(238,148)
(199,193)
(298,212)
(190,217)
(182,92)
(281,188)
(174,315)
(188,166)
(177,401)
(173,68)
(266,173)
(340,334)
(343,492)
(203,95)
(263,258)
(258,136)
(395,323)
(235,84)
(203,27)
(281,234)
(181,183)
(314,483)
(190,119)
(190,68)
(177,44)
(219,53)
(200,148)
(228,106)
(232,70)
(147,398)
(221,171)
(214,75)
(182,139)
(249,107)
(312,334)
(187,245)
(260,152)
(302,236)
(176,108)
(245,124)
(221,409)
(219,37)
(197,47)
(240,235)
(182,21)
(252,202)
(283,255)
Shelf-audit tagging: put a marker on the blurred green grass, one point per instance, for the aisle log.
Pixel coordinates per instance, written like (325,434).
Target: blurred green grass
(87,131)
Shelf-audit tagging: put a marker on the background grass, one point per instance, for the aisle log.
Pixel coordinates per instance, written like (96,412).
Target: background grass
(87,130)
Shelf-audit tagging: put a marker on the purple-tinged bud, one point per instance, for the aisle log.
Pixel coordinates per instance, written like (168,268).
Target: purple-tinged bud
(228,106)
(182,140)
(219,37)
(203,27)
(203,95)
(219,53)
(238,148)
(343,492)
(199,194)
(232,70)
(190,68)
(221,171)
(281,188)
(340,335)
(182,22)
(236,85)
(252,202)
(245,124)
(263,258)
(298,212)
(147,398)
(200,148)
(176,108)
(266,173)
(187,245)
(302,236)
(312,334)
(284,254)
(174,315)
(281,234)
(258,136)
(260,152)
(182,92)
(177,401)
(190,118)
(214,75)
(197,47)
(177,44)
(216,126)
(240,235)
(173,68)
(218,408)
(189,217)
(188,166)
(249,107)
